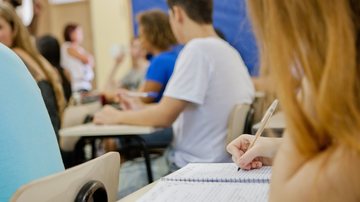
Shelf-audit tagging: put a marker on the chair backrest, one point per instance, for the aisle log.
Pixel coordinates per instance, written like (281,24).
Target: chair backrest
(236,121)
(28,145)
(66,186)
(259,105)
(249,121)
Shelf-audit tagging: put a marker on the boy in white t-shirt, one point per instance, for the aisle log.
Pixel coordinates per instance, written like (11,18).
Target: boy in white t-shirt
(209,79)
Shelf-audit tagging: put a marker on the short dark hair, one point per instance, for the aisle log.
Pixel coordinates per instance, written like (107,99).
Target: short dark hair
(199,11)
(157,30)
(69,28)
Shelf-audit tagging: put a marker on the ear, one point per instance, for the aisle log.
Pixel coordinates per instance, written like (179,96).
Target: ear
(178,14)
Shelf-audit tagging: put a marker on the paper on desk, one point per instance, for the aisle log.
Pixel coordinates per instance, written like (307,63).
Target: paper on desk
(166,191)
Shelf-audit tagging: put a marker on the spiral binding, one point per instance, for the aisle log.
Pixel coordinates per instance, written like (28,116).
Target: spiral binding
(218,180)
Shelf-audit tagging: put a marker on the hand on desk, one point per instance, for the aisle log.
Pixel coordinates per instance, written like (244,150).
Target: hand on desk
(128,102)
(107,115)
(261,154)
(111,115)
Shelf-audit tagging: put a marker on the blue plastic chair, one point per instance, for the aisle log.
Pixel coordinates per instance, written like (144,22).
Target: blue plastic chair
(28,146)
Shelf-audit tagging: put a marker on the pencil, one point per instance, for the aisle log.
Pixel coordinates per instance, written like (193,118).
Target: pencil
(142,94)
(263,123)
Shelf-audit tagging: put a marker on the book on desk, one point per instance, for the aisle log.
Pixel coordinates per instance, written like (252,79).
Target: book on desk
(212,182)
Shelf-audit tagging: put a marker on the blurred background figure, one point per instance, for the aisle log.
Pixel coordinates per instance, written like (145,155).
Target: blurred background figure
(49,47)
(135,77)
(14,35)
(76,59)
(157,39)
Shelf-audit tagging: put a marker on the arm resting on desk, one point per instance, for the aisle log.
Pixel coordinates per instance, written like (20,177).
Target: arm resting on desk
(162,114)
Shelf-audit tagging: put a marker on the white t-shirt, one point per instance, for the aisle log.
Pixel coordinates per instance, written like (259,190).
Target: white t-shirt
(212,77)
(81,74)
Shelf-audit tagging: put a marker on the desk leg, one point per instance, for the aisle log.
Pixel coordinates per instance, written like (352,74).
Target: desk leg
(147,158)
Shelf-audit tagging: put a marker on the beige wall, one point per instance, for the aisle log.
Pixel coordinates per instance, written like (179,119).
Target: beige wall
(111,25)
(55,17)
(105,22)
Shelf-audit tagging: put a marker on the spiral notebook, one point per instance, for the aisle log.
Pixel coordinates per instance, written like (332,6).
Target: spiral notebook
(211,182)
(219,172)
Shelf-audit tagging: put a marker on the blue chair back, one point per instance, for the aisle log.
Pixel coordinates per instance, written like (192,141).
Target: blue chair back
(28,145)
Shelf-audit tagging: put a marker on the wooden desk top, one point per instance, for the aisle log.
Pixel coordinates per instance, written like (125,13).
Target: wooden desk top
(99,130)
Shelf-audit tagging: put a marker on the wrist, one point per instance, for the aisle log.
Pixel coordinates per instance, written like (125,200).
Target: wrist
(119,117)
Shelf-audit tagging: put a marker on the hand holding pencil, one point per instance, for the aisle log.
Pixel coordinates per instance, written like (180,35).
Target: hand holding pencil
(253,151)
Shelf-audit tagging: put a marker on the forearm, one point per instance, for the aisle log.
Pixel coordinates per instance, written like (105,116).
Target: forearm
(83,57)
(150,115)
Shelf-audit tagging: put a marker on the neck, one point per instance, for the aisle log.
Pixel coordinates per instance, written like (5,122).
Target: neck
(156,51)
(198,31)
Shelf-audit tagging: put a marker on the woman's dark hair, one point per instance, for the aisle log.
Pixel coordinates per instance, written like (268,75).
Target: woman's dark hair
(49,47)
(69,28)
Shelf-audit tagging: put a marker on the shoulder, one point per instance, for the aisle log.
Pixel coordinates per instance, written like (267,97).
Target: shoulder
(20,52)
(163,59)
(25,56)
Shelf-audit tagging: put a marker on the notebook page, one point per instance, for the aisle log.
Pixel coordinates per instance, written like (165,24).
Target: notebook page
(225,172)
(166,191)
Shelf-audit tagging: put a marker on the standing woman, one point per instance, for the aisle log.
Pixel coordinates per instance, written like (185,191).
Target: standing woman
(14,35)
(319,157)
(76,59)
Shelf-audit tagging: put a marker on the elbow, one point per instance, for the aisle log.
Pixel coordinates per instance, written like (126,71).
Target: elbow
(165,123)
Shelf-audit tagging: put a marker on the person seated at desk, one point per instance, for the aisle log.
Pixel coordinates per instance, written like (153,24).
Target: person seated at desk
(49,47)
(318,159)
(209,79)
(15,36)
(157,39)
(135,77)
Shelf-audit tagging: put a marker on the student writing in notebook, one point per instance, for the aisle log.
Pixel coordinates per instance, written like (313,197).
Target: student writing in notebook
(209,79)
(318,159)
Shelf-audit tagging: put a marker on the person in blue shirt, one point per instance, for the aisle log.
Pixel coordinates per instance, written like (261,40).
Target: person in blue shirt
(158,40)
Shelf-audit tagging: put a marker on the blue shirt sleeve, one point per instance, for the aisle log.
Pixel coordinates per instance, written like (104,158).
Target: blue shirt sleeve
(28,146)
(160,70)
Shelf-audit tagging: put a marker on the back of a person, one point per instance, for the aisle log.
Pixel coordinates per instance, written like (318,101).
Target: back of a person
(228,83)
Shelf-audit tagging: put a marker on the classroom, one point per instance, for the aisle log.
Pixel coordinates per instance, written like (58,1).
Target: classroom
(179,100)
